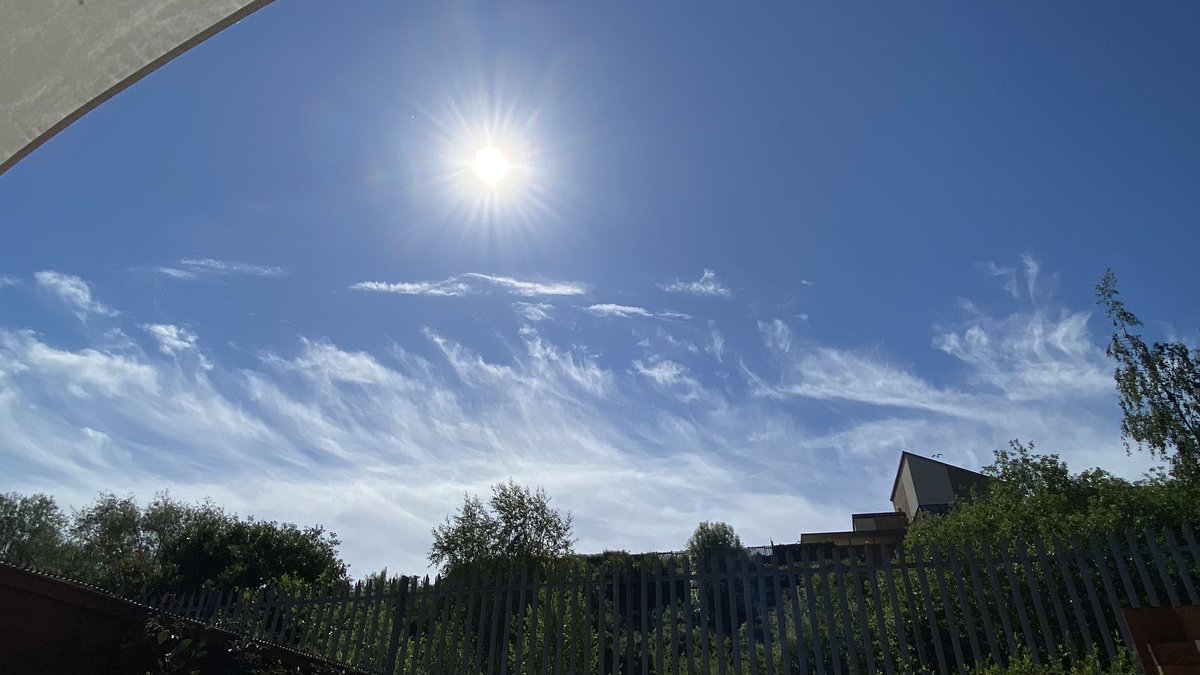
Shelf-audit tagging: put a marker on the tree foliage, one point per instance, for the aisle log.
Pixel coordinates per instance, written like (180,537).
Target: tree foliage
(713,541)
(1159,387)
(517,525)
(168,546)
(31,530)
(1036,494)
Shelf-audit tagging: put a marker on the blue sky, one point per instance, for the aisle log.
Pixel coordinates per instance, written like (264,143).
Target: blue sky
(742,260)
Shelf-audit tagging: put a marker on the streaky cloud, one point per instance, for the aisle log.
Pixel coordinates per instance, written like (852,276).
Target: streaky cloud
(474,283)
(74,292)
(608,309)
(707,285)
(212,266)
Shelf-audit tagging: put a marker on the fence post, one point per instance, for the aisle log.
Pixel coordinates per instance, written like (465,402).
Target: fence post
(852,571)
(930,613)
(964,605)
(1181,565)
(1160,564)
(1055,595)
(939,568)
(887,565)
(399,600)
(1015,592)
(1089,586)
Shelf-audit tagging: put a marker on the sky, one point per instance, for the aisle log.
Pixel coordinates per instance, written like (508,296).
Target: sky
(742,259)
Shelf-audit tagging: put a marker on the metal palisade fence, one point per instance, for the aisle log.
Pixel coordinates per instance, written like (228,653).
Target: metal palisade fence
(791,609)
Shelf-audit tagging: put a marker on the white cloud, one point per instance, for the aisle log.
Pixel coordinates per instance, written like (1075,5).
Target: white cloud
(708,285)
(74,292)
(474,283)
(175,272)
(192,267)
(530,288)
(534,312)
(816,438)
(670,375)
(609,309)
(716,343)
(1008,274)
(171,339)
(1032,268)
(776,335)
(1031,356)
(8,281)
(624,311)
(447,288)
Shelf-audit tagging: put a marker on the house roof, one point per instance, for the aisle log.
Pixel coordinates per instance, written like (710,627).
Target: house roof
(900,468)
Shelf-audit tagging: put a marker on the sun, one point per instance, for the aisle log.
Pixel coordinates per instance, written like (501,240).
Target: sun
(490,165)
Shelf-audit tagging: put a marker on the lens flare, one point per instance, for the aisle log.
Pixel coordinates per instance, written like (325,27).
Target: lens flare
(490,165)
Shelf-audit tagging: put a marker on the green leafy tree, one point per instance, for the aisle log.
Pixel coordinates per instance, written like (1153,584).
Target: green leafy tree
(168,546)
(1036,494)
(711,548)
(31,532)
(713,541)
(222,551)
(518,525)
(1159,386)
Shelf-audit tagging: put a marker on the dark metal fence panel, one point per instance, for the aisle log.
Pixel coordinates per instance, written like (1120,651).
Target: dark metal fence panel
(857,609)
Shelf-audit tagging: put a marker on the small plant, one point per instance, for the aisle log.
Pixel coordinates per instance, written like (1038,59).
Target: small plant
(1092,664)
(181,649)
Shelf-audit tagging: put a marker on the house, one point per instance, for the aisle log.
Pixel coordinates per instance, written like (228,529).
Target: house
(922,485)
(925,485)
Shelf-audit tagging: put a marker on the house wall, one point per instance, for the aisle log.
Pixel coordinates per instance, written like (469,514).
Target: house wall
(922,483)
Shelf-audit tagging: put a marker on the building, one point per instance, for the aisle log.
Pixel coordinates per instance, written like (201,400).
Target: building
(922,485)
(925,485)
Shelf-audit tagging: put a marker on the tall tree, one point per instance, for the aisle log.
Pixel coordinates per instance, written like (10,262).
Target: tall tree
(115,544)
(517,525)
(1159,387)
(31,532)
(713,541)
(1036,494)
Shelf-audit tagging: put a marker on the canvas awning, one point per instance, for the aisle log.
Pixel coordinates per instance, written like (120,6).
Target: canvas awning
(61,58)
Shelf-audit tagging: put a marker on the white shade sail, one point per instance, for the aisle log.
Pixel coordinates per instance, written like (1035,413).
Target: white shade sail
(61,58)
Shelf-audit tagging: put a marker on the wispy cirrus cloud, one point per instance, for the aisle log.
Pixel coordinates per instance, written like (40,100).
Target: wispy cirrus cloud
(707,285)
(74,292)
(534,311)
(447,288)
(1030,268)
(474,283)
(192,268)
(171,339)
(796,442)
(609,309)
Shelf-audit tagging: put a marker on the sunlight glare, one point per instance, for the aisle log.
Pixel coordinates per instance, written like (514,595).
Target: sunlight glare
(490,165)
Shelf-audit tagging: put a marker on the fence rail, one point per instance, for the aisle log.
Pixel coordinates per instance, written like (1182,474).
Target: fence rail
(802,610)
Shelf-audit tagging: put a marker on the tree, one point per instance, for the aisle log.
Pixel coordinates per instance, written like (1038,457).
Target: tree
(713,541)
(519,527)
(31,532)
(168,546)
(1159,387)
(1037,495)
(221,551)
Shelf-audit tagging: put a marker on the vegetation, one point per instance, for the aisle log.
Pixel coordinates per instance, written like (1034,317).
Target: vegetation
(168,546)
(1159,387)
(713,541)
(1035,494)
(517,526)
(1092,664)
